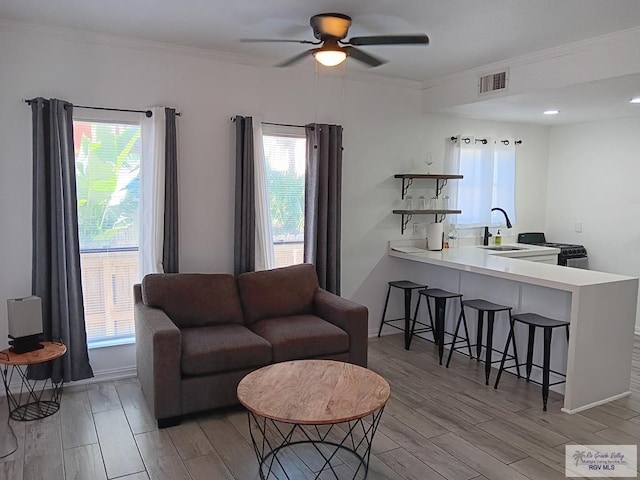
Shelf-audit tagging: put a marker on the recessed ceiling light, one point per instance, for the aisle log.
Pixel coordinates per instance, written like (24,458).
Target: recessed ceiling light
(551,112)
(635,100)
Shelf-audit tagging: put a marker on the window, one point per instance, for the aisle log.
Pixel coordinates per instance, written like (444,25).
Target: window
(108,180)
(488,169)
(285,153)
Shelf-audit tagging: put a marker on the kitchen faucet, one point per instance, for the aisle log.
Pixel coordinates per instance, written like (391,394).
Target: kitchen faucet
(485,237)
(506,217)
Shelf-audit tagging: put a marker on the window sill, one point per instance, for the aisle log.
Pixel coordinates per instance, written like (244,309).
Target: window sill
(472,226)
(111,342)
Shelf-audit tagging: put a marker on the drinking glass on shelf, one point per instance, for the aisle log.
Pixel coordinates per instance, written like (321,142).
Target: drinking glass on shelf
(433,203)
(409,202)
(445,203)
(422,203)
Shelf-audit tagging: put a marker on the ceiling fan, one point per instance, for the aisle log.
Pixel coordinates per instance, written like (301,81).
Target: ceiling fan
(330,29)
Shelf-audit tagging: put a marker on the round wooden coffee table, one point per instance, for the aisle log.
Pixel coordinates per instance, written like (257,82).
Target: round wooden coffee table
(333,406)
(35,398)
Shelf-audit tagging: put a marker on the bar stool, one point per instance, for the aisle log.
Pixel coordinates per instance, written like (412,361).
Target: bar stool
(491,309)
(548,324)
(408,287)
(439,297)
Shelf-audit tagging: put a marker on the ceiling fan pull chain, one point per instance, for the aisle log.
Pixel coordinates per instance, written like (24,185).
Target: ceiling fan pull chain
(315,115)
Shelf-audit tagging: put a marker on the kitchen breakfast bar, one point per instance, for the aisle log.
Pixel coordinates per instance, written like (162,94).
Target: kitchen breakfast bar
(600,307)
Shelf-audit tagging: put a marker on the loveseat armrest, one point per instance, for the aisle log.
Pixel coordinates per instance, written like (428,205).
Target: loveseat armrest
(158,353)
(351,317)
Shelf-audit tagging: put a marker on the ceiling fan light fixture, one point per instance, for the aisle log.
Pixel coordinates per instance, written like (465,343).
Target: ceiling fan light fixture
(330,58)
(330,31)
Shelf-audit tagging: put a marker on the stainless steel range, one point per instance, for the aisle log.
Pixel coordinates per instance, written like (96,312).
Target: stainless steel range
(569,256)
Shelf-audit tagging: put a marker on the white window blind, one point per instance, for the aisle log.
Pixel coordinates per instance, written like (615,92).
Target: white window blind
(488,168)
(108,185)
(285,159)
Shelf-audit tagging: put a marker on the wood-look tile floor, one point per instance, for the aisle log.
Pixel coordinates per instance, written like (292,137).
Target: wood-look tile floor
(439,424)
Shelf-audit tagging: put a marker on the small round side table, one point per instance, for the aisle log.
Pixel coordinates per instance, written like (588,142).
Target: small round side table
(35,398)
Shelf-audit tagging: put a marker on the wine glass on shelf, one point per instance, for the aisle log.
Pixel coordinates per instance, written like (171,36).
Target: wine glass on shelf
(428,162)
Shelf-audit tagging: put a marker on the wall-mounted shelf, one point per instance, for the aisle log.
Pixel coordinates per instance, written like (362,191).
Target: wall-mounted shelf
(441,180)
(407,214)
(407,180)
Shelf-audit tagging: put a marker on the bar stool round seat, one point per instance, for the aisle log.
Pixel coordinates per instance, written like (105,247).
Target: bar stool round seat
(533,320)
(407,287)
(436,326)
(491,309)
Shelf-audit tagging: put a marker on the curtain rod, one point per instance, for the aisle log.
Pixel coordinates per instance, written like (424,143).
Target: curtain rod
(283,124)
(233,119)
(484,141)
(148,113)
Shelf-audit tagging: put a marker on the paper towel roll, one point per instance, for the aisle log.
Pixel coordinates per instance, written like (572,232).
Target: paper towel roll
(435,233)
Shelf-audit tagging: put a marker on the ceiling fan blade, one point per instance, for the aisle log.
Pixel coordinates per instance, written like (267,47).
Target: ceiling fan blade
(297,58)
(390,40)
(276,40)
(363,57)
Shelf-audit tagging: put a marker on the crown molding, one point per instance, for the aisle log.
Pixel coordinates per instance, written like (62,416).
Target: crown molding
(95,38)
(625,36)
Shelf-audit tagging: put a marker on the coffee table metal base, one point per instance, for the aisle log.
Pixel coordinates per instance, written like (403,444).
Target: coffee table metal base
(273,441)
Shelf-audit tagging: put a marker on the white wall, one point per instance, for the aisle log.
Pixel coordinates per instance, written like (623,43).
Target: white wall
(590,60)
(385,133)
(594,169)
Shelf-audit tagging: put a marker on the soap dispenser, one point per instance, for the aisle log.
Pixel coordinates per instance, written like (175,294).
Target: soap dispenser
(498,238)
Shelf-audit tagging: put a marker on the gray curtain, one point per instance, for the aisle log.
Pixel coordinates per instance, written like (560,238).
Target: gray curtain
(323,199)
(244,255)
(170,260)
(56,251)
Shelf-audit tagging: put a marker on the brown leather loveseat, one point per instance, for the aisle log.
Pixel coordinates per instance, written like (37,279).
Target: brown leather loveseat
(197,335)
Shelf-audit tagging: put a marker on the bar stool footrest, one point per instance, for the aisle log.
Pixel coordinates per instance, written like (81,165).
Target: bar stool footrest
(560,374)
(429,329)
(509,355)
(421,330)
(464,347)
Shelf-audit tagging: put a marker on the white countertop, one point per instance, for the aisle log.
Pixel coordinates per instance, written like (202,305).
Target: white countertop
(477,259)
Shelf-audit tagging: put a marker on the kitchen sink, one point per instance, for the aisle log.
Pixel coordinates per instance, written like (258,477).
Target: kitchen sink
(503,248)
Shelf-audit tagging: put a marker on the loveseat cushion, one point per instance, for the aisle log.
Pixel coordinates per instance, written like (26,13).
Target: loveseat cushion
(222,348)
(301,336)
(194,299)
(280,292)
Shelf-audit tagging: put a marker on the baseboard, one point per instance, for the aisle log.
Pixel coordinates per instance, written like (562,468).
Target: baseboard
(107,375)
(595,404)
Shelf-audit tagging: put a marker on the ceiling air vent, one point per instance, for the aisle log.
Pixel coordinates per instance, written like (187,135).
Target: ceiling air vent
(493,82)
